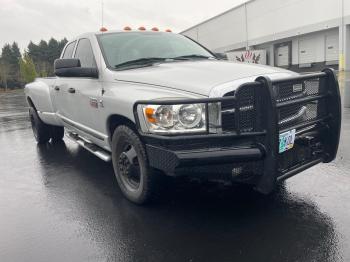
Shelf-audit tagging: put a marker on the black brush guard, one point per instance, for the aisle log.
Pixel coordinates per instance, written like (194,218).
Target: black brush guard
(261,110)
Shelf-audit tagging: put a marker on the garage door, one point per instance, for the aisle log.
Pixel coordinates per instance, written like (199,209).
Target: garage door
(307,50)
(283,55)
(332,47)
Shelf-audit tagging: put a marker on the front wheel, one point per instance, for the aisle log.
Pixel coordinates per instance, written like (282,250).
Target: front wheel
(138,182)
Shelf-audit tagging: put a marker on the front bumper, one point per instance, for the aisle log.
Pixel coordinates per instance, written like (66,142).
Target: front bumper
(171,161)
(253,156)
(240,161)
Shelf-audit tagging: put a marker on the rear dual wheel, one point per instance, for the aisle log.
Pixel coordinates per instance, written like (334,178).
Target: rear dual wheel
(44,132)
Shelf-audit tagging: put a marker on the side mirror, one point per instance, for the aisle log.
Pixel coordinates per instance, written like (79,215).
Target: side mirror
(221,56)
(72,68)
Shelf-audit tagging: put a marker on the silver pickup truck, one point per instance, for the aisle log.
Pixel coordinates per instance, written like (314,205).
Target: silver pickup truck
(158,103)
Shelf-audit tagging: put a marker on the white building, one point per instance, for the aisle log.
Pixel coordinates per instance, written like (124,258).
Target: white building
(302,35)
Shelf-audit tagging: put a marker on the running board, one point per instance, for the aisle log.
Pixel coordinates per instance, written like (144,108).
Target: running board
(92,148)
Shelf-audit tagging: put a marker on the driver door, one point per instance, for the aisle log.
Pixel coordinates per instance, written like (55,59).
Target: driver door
(87,95)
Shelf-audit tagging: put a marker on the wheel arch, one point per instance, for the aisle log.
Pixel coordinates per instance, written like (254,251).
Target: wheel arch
(116,120)
(31,103)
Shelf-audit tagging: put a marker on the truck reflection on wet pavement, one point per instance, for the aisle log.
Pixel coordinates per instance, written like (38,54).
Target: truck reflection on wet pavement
(60,203)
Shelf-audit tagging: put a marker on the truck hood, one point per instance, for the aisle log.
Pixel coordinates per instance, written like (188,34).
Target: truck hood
(199,77)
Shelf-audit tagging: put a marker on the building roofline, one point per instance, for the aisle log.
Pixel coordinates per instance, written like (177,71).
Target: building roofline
(223,13)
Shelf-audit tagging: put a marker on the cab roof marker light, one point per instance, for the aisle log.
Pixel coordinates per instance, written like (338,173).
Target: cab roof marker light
(103,29)
(127,28)
(168,31)
(155,29)
(142,28)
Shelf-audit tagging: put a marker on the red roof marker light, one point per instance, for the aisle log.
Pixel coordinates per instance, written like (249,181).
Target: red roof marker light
(103,29)
(142,28)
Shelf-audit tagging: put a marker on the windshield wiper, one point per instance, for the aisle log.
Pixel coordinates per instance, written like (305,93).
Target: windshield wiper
(141,61)
(149,61)
(194,56)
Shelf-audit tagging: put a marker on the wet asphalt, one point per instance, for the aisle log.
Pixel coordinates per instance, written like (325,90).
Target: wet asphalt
(60,203)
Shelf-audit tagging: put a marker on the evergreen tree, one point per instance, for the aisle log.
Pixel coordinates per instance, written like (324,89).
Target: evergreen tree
(44,55)
(43,63)
(27,69)
(54,50)
(62,44)
(4,71)
(10,56)
(33,51)
(16,56)
(5,65)
(6,54)
(37,61)
(16,53)
(44,50)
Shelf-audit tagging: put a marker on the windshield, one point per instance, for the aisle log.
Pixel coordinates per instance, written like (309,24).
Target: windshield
(120,48)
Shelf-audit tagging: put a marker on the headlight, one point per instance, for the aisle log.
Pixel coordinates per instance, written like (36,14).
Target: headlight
(175,119)
(163,116)
(190,116)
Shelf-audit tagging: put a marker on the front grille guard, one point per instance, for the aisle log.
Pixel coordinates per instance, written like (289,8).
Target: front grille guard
(267,126)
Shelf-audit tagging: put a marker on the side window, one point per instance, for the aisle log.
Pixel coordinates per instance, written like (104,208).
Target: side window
(68,52)
(85,54)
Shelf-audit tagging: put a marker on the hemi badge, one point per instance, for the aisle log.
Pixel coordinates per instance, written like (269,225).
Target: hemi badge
(297,88)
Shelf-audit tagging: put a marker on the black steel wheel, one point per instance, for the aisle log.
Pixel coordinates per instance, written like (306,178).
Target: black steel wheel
(138,182)
(128,167)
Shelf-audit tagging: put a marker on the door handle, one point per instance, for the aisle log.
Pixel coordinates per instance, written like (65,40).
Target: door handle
(71,90)
(57,88)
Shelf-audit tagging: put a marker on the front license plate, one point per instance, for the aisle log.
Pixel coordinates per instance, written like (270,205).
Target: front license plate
(286,141)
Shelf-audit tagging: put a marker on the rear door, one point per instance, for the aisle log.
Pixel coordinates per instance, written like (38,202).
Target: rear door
(63,100)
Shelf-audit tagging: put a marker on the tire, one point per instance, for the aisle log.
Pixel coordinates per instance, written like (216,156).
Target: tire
(57,133)
(138,182)
(44,132)
(41,130)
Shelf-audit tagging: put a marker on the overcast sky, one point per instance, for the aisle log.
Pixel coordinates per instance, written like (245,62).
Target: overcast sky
(25,20)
